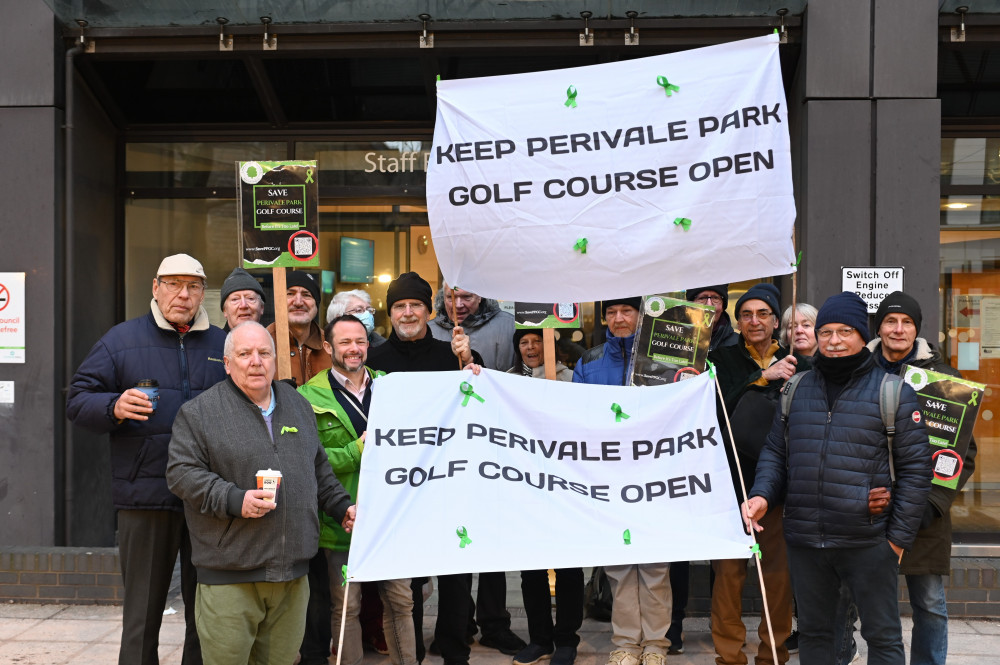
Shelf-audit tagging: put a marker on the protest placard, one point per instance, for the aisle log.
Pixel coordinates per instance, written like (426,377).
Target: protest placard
(279,214)
(949,406)
(671,342)
(622,178)
(546,315)
(503,472)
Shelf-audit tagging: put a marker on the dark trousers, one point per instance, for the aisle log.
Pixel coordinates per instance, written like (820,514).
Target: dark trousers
(538,607)
(454,611)
(871,573)
(315,649)
(491,604)
(680,582)
(148,544)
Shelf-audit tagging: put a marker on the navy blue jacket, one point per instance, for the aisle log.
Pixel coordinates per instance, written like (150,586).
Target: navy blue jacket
(835,455)
(606,364)
(141,349)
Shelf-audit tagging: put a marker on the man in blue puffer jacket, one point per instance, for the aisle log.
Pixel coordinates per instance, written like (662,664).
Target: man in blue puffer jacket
(836,450)
(175,345)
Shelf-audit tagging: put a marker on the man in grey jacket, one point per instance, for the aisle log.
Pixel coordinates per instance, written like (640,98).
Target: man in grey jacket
(490,329)
(252,548)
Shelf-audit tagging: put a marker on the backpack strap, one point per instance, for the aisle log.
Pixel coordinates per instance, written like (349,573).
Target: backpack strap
(787,392)
(889,392)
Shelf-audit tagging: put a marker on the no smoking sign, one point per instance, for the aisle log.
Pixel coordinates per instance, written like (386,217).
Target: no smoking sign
(4,297)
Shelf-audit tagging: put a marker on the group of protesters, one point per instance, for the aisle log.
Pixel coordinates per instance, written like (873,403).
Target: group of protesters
(838,495)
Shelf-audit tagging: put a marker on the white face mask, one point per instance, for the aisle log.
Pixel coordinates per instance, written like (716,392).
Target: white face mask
(368,319)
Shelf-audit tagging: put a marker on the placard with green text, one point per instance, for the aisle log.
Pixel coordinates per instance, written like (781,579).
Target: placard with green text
(279,214)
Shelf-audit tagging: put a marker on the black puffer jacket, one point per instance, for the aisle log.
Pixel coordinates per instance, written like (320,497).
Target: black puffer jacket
(835,455)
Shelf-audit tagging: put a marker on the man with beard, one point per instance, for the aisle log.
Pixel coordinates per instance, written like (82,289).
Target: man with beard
(304,335)
(820,463)
(412,348)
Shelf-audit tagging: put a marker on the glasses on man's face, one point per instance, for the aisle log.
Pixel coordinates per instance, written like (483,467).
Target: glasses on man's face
(843,333)
(250,300)
(416,308)
(360,310)
(715,300)
(763,316)
(174,286)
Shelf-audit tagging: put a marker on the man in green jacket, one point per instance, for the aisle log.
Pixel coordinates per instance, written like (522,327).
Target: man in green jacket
(340,398)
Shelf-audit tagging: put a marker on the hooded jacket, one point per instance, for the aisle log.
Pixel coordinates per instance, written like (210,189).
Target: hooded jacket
(835,454)
(147,347)
(490,330)
(606,364)
(931,553)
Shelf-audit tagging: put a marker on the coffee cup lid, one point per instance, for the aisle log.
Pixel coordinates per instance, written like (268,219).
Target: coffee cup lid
(269,472)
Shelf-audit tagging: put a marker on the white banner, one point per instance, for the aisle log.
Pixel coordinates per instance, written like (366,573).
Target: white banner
(520,174)
(539,474)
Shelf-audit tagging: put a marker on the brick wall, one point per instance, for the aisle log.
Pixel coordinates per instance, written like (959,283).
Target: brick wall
(63,575)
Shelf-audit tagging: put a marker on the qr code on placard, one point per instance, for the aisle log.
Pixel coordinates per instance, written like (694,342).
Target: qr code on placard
(946,465)
(303,246)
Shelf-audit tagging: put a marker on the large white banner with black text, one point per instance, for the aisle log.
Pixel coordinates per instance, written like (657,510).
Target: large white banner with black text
(621,179)
(464,473)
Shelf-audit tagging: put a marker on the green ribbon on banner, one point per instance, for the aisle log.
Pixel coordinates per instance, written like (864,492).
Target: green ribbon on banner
(627,536)
(755,549)
(466,389)
(343,572)
(570,98)
(309,176)
(667,86)
(463,536)
(581,245)
(378,373)
(619,414)
(975,396)
(683,221)
(798,260)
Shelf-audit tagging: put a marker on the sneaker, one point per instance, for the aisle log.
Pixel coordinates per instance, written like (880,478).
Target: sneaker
(675,635)
(622,657)
(564,656)
(792,643)
(531,654)
(651,658)
(504,642)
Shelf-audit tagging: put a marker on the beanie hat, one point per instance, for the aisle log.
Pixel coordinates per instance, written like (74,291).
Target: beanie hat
(521,332)
(305,280)
(897,302)
(721,289)
(239,280)
(847,308)
(409,286)
(767,292)
(631,302)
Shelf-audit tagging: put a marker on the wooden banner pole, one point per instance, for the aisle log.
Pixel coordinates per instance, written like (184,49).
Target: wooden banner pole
(281,324)
(549,346)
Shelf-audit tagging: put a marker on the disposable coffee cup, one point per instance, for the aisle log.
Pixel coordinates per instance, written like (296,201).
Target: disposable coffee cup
(152,389)
(269,480)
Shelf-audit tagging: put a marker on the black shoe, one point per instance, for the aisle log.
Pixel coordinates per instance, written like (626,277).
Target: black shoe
(675,635)
(504,642)
(532,654)
(792,643)
(434,650)
(564,656)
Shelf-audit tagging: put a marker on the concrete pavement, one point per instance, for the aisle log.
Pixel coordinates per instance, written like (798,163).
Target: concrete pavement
(90,635)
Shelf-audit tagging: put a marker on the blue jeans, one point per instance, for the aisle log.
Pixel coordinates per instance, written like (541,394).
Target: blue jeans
(871,573)
(929,644)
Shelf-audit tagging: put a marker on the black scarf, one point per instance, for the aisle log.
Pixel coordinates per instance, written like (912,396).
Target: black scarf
(837,371)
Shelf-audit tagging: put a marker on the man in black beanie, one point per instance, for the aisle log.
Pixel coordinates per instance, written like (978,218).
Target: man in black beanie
(820,463)
(241,299)
(305,337)
(412,348)
(897,326)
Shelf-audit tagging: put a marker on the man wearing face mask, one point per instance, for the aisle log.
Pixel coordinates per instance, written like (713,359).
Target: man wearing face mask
(358,304)
(489,328)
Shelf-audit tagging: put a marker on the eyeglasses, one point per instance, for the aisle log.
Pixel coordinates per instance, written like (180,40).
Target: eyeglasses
(173,286)
(413,306)
(715,300)
(360,310)
(843,333)
(249,299)
(763,316)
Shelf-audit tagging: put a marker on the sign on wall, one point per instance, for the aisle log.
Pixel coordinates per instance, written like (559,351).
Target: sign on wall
(279,214)
(11,317)
(872,283)
(625,178)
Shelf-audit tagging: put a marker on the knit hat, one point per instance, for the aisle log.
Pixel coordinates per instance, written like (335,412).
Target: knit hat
(767,292)
(631,302)
(180,264)
(721,289)
(305,280)
(847,308)
(239,280)
(897,302)
(521,332)
(409,286)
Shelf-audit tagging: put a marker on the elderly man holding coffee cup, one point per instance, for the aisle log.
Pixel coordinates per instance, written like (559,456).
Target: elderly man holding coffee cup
(250,547)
